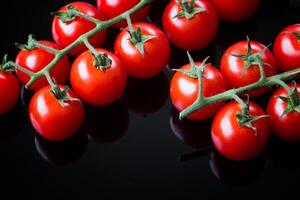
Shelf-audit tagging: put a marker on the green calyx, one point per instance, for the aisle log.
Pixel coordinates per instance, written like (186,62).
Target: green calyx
(68,15)
(297,35)
(5,67)
(61,95)
(188,10)
(251,59)
(293,102)
(31,44)
(102,61)
(194,70)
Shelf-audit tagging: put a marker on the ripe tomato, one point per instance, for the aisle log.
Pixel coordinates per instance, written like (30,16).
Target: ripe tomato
(111,9)
(36,59)
(194,33)
(94,86)
(287,126)
(66,33)
(184,90)
(156,52)
(287,48)
(235,10)
(239,142)
(233,68)
(51,119)
(9,91)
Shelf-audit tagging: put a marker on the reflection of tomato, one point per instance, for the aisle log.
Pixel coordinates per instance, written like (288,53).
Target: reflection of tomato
(114,123)
(62,153)
(148,95)
(192,133)
(156,52)
(66,33)
(287,126)
(95,86)
(235,10)
(238,142)
(233,71)
(9,91)
(194,33)
(184,90)
(287,48)
(36,59)
(111,9)
(51,119)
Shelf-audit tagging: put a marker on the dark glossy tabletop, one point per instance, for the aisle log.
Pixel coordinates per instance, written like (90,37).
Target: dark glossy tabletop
(137,148)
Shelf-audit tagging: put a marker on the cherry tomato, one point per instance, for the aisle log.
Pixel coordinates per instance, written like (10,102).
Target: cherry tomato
(36,59)
(51,119)
(235,10)
(184,90)
(233,68)
(287,126)
(111,9)
(287,48)
(156,52)
(9,91)
(94,86)
(194,33)
(66,33)
(239,142)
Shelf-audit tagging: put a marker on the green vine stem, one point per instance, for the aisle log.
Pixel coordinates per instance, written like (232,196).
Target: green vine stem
(59,54)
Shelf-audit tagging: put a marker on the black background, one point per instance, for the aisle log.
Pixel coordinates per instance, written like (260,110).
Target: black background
(132,148)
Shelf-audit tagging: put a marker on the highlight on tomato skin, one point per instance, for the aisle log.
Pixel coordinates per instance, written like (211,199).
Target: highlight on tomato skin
(52,120)
(236,142)
(37,59)
(66,33)
(184,90)
(111,9)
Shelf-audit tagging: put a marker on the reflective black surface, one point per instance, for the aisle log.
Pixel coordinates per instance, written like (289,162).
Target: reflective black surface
(140,150)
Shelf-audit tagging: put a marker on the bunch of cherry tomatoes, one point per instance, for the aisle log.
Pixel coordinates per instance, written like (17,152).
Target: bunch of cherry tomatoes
(142,50)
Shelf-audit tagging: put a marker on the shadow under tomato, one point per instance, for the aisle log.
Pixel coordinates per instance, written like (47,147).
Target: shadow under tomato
(236,173)
(106,125)
(62,153)
(11,123)
(192,133)
(147,96)
(26,96)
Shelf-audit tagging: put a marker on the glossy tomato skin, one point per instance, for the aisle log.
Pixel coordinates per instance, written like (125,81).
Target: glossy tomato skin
(111,9)
(286,127)
(235,10)
(184,90)
(9,91)
(66,33)
(237,142)
(191,34)
(287,48)
(156,56)
(232,67)
(96,87)
(50,119)
(36,59)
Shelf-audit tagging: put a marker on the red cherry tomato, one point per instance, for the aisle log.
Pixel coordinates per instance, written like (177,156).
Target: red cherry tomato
(36,59)
(66,33)
(235,10)
(233,71)
(184,90)
(239,142)
(51,119)
(287,126)
(156,52)
(9,91)
(287,48)
(194,33)
(94,86)
(111,9)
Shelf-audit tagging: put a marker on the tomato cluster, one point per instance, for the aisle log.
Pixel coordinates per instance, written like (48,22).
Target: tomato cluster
(98,77)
